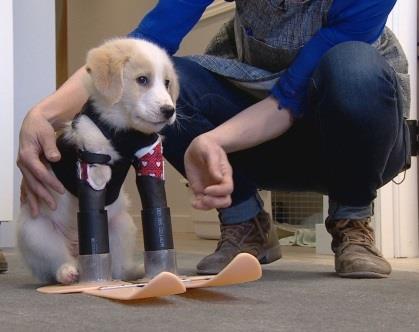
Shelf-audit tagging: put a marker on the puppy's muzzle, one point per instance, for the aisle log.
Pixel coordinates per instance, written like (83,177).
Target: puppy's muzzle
(167,111)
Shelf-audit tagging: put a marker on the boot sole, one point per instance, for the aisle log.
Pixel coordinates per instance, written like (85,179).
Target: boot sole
(363,275)
(3,268)
(269,256)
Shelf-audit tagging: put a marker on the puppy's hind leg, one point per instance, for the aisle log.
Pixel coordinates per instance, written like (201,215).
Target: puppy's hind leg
(122,242)
(45,251)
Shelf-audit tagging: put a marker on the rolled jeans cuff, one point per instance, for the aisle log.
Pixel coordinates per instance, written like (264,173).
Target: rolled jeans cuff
(340,211)
(241,212)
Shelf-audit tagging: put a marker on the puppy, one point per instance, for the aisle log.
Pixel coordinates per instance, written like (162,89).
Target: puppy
(133,88)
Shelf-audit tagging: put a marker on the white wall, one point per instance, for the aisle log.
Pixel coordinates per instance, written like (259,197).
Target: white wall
(33,74)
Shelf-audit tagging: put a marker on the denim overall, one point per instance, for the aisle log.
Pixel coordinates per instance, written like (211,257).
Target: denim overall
(252,51)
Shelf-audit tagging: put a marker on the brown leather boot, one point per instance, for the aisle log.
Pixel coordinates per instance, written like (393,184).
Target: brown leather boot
(257,237)
(3,263)
(355,253)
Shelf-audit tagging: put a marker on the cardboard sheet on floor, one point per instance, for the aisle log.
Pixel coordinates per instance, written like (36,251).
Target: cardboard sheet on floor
(163,284)
(243,268)
(79,287)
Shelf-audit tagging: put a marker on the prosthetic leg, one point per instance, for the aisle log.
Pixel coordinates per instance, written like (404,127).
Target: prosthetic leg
(94,256)
(159,252)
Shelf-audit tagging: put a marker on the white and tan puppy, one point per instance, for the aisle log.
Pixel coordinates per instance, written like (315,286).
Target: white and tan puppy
(133,85)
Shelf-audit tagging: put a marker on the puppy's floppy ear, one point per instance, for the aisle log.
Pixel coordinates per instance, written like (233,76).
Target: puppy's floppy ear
(106,66)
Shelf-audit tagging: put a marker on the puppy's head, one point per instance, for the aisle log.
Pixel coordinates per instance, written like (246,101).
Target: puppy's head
(133,84)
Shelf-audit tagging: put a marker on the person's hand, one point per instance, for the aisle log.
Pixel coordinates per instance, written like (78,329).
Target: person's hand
(37,141)
(209,174)
(37,144)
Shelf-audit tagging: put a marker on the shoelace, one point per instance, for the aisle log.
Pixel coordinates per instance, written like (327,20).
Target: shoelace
(234,233)
(354,232)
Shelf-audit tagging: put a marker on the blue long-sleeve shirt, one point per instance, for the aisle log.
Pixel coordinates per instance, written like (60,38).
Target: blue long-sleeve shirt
(348,20)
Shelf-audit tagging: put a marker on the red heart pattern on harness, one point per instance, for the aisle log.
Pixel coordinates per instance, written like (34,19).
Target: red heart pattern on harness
(151,164)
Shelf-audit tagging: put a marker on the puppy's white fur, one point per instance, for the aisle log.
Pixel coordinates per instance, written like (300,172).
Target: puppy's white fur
(130,82)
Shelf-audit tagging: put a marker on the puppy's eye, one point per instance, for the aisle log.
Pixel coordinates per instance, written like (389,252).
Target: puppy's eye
(142,80)
(166,83)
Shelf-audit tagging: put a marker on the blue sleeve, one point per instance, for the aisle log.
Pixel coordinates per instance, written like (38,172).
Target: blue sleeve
(169,21)
(348,20)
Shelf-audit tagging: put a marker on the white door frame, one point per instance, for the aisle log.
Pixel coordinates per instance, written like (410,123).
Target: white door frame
(396,207)
(30,35)
(6,110)
(6,118)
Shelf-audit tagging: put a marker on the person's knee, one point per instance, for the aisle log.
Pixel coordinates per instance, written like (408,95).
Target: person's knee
(354,76)
(352,63)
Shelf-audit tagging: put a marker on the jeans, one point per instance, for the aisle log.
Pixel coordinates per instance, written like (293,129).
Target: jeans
(351,140)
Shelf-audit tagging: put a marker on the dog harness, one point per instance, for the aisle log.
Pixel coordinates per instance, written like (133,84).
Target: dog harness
(143,151)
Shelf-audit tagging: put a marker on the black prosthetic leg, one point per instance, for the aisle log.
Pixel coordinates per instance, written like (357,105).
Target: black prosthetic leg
(94,256)
(159,252)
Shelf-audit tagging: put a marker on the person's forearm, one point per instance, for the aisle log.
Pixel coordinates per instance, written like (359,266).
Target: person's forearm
(66,102)
(259,123)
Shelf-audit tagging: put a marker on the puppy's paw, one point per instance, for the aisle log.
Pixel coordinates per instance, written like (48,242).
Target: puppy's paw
(67,274)
(99,176)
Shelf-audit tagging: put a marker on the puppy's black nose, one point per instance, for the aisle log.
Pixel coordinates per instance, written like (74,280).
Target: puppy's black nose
(167,111)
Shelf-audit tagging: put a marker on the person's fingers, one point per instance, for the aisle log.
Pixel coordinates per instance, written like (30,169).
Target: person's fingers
(48,143)
(205,202)
(34,187)
(195,185)
(214,163)
(33,203)
(213,177)
(209,174)
(23,192)
(224,188)
(226,185)
(30,162)
(198,204)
